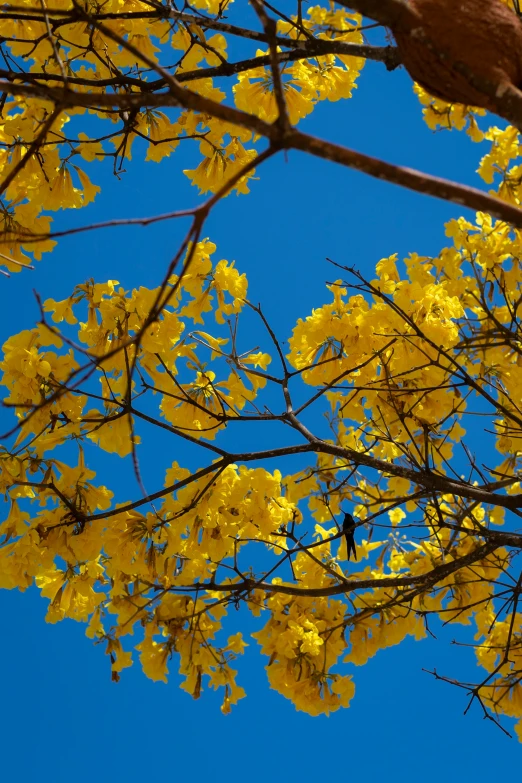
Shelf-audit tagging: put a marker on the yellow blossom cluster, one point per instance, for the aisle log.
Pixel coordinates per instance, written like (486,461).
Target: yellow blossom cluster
(302,649)
(35,375)
(439,114)
(502,692)
(388,361)
(403,363)
(329,77)
(399,358)
(91,53)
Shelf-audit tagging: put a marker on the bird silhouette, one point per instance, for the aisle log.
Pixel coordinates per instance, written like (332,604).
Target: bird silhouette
(349,525)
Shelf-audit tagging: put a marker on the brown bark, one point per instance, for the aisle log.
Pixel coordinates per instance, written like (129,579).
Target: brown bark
(459,39)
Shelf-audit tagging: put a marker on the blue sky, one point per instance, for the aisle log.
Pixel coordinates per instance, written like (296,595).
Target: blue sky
(63,719)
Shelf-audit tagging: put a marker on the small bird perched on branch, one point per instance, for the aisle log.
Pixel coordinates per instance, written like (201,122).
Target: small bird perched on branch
(349,525)
(458,39)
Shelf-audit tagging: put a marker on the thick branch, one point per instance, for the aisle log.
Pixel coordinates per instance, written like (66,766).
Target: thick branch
(427,580)
(400,175)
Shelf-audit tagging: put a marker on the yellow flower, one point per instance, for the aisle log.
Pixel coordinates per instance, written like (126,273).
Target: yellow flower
(257,97)
(113,435)
(236,644)
(220,165)
(396,516)
(154,659)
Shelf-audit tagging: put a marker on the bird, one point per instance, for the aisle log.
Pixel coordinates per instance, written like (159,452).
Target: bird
(479,37)
(349,526)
